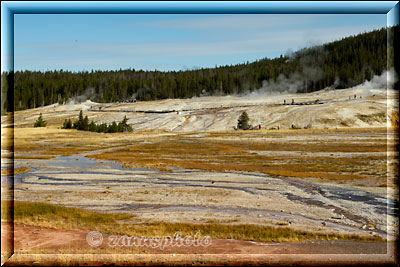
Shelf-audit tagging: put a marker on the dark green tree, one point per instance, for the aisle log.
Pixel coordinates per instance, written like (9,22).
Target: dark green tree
(92,127)
(67,124)
(123,126)
(243,121)
(81,124)
(40,122)
(85,124)
(102,128)
(113,128)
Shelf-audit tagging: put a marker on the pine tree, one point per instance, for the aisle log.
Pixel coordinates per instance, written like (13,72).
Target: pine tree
(40,122)
(123,126)
(67,124)
(92,127)
(113,128)
(80,123)
(243,121)
(85,124)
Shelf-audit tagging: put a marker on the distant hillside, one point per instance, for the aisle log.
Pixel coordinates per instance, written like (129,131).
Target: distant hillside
(338,64)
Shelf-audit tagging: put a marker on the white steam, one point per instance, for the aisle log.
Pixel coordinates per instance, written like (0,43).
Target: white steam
(87,95)
(298,82)
(287,85)
(377,84)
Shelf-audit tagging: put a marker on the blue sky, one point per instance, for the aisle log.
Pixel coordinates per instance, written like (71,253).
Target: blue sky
(171,42)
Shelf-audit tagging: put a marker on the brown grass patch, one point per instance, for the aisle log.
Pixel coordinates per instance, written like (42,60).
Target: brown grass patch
(225,151)
(226,155)
(34,157)
(9,171)
(59,217)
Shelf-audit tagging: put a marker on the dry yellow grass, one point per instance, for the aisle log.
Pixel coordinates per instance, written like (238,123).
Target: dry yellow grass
(50,141)
(226,151)
(8,171)
(59,217)
(211,154)
(34,157)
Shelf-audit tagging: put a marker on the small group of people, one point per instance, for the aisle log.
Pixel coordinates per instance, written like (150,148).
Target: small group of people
(355,97)
(284,101)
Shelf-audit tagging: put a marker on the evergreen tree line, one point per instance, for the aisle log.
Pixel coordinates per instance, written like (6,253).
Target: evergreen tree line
(342,64)
(83,124)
